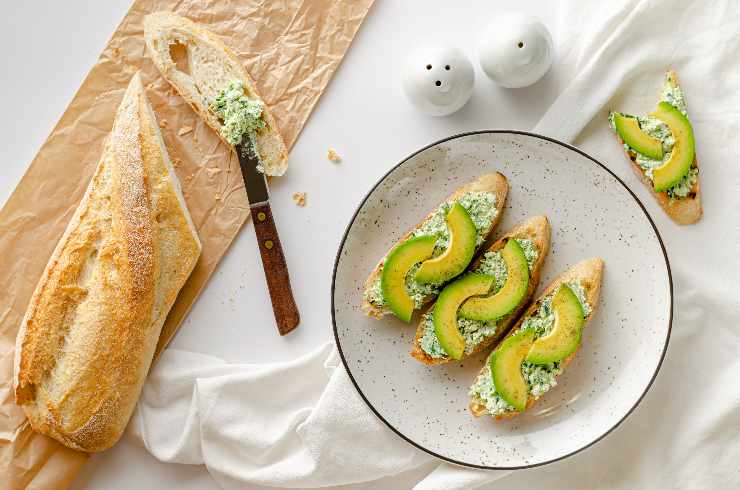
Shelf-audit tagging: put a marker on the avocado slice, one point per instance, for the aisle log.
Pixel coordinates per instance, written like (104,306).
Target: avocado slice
(459,253)
(506,369)
(511,294)
(628,128)
(682,155)
(393,278)
(444,315)
(565,336)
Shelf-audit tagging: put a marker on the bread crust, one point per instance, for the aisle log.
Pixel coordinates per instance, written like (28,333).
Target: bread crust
(202,84)
(684,211)
(88,336)
(536,229)
(589,273)
(494,182)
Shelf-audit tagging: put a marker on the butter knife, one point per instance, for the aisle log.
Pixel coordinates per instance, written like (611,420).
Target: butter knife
(273,259)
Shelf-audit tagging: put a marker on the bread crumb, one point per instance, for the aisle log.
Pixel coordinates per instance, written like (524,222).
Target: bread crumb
(176,162)
(184,130)
(299,198)
(212,171)
(163,123)
(116,52)
(333,156)
(217,197)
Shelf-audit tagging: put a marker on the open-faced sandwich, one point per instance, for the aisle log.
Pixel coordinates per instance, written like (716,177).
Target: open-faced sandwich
(477,309)
(210,77)
(662,150)
(440,248)
(525,365)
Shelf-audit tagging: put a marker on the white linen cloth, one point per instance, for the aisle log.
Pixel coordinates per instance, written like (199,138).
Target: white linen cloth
(252,424)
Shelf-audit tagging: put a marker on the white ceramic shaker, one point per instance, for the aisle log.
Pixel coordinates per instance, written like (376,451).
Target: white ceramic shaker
(515,50)
(438,79)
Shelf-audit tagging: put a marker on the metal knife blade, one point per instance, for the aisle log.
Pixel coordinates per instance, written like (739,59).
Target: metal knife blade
(254,180)
(271,251)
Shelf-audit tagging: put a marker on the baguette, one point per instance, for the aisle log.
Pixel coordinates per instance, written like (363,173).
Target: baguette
(210,67)
(684,211)
(589,274)
(536,229)
(88,336)
(494,183)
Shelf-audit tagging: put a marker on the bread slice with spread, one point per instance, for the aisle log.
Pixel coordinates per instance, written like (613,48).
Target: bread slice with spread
(457,326)
(439,248)
(524,366)
(662,151)
(210,77)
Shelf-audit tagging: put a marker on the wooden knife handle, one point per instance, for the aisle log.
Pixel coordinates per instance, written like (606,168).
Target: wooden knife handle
(276,270)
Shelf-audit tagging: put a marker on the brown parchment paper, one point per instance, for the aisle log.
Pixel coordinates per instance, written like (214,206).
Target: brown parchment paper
(291,48)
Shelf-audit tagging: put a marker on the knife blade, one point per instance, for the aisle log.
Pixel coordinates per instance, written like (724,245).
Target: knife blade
(271,251)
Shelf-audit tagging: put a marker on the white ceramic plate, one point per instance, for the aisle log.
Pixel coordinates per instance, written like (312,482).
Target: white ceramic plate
(592,213)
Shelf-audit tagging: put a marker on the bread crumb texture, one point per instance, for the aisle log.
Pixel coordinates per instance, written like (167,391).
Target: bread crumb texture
(299,198)
(212,171)
(333,156)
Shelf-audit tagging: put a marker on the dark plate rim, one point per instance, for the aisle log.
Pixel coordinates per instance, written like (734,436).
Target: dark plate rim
(341,247)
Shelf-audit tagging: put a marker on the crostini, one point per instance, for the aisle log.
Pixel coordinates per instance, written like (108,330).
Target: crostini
(439,248)
(457,325)
(662,151)
(525,365)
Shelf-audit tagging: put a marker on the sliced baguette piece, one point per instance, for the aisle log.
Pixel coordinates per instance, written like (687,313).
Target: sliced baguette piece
(88,336)
(494,183)
(536,229)
(589,273)
(684,211)
(211,66)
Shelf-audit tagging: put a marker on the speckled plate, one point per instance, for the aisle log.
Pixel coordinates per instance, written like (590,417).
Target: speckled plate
(592,213)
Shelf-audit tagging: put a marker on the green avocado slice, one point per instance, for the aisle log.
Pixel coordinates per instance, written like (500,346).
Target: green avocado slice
(393,278)
(682,155)
(444,315)
(511,294)
(628,128)
(506,369)
(565,336)
(459,253)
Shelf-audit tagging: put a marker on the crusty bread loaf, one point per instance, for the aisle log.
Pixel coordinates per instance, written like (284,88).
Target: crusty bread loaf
(589,273)
(211,66)
(88,336)
(536,229)
(684,211)
(494,182)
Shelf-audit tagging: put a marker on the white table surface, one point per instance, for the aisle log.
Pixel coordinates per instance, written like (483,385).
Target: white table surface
(49,47)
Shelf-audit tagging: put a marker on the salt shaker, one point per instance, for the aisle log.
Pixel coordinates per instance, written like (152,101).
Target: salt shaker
(438,79)
(515,50)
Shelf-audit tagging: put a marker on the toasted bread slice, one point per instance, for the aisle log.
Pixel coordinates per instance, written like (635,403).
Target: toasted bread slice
(588,273)
(536,229)
(494,183)
(207,66)
(684,211)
